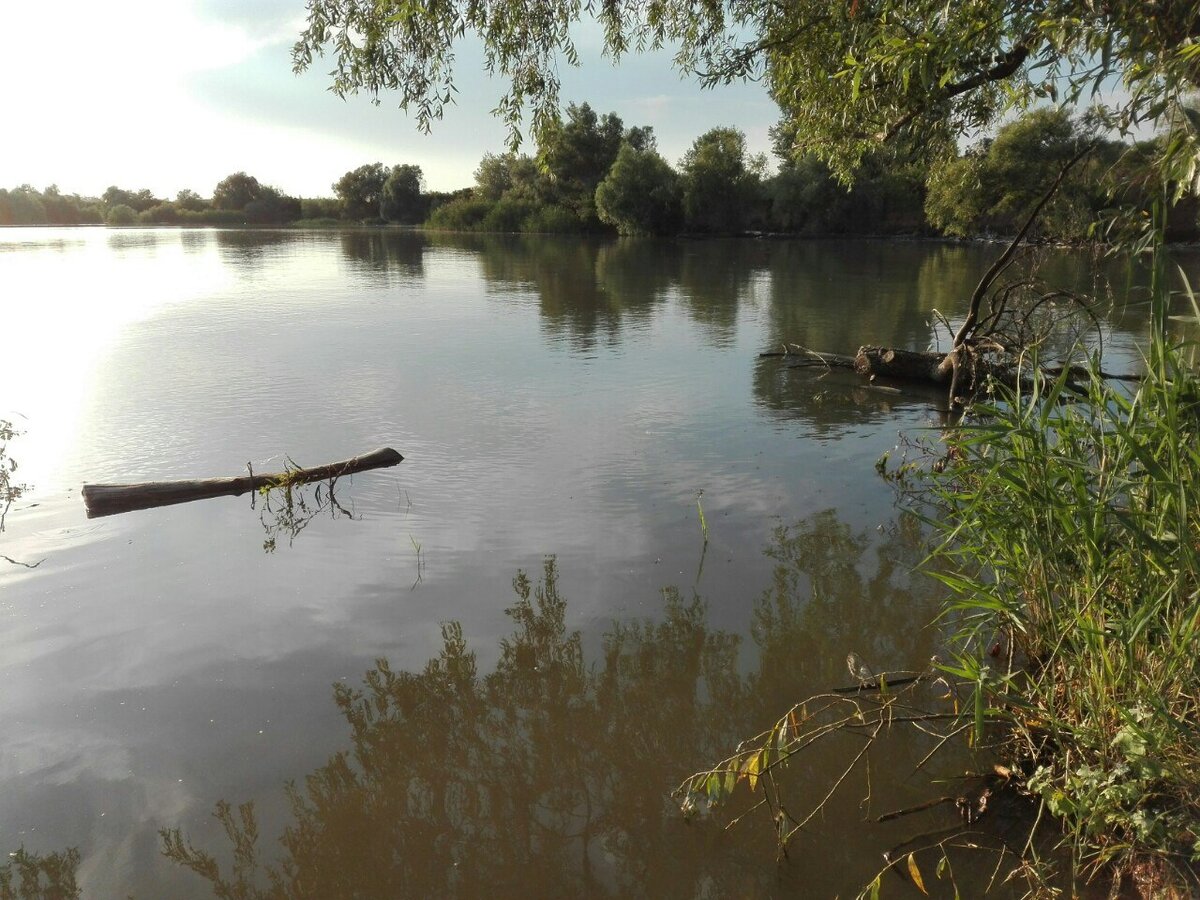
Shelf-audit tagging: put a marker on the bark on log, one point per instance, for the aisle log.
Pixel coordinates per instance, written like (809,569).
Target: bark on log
(109,499)
(905,365)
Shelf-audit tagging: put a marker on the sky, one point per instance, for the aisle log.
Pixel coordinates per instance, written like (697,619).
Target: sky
(175,94)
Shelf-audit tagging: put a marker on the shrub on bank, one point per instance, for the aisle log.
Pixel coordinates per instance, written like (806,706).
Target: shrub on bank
(463,214)
(552,220)
(1072,529)
(121,215)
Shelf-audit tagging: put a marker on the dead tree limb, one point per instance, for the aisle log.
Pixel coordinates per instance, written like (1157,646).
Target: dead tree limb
(109,499)
(1001,263)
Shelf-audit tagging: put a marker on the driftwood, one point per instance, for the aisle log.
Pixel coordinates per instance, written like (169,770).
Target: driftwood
(904,365)
(109,499)
(802,358)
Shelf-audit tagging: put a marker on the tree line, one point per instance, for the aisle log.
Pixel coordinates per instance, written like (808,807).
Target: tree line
(372,194)
(591,173)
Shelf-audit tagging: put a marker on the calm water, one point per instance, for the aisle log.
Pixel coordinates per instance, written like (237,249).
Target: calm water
(560,404)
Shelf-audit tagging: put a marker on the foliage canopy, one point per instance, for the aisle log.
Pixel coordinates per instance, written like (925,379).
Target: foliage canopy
(847,76)
(641,194)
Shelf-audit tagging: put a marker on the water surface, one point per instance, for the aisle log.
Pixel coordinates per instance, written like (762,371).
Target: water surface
(561,404)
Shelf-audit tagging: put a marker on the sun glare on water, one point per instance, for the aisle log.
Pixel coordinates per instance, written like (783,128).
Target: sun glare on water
(70,296)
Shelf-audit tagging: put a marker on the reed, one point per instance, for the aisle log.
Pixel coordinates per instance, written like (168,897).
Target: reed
(1070,540)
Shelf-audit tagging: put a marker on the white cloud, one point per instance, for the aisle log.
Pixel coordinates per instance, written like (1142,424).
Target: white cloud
(170,95)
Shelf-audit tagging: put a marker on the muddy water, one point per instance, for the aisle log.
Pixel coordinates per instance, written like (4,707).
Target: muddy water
(567,409)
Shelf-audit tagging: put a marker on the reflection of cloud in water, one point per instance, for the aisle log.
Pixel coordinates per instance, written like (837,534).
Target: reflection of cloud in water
(91,791)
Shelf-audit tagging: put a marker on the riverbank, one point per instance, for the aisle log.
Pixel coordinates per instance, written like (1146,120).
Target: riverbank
(1072,532)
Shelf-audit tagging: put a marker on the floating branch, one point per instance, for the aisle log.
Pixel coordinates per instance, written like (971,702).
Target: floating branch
(109,499)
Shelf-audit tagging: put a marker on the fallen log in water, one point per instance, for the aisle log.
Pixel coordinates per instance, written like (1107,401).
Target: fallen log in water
(109,499)
(906,365)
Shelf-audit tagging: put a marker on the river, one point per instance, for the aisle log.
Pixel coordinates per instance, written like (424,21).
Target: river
(703,533)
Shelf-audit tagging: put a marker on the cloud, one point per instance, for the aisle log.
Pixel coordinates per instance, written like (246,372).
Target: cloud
(651,106)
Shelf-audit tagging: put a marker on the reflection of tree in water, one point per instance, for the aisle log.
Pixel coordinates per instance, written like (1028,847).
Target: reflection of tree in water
(830,401)
(715,276)
(549,777)
(818,588)
(956,270)
(248,248)
(573,279)
(30,876)
(835,296)
(386,253)
(635,273)
(588,289)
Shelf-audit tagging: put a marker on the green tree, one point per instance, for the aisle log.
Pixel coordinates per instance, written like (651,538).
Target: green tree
(22,206)
(641,194)
(886,197)
(576,155)
(236,191)
(720,182)
(403,199)
(847,76)
(138,201)
(121,215)
(503,173)
(190,201)
(361,191)
(993,185)
(161,214)
(272,207)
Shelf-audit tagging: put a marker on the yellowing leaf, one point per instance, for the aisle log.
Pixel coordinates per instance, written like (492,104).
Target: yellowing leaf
(752,769)
(916,874)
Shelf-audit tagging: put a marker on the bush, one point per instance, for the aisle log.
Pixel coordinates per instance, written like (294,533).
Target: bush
(552,220)
(464,214)
(226,217)
(272,208)
(324,222)
(91,214)
(121,215)
(320,208)
(161,214)
(507,215)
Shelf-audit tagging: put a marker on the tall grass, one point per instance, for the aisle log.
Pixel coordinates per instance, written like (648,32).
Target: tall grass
(1070,527)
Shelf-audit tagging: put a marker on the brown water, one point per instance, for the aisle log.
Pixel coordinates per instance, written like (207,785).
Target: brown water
(560,403)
